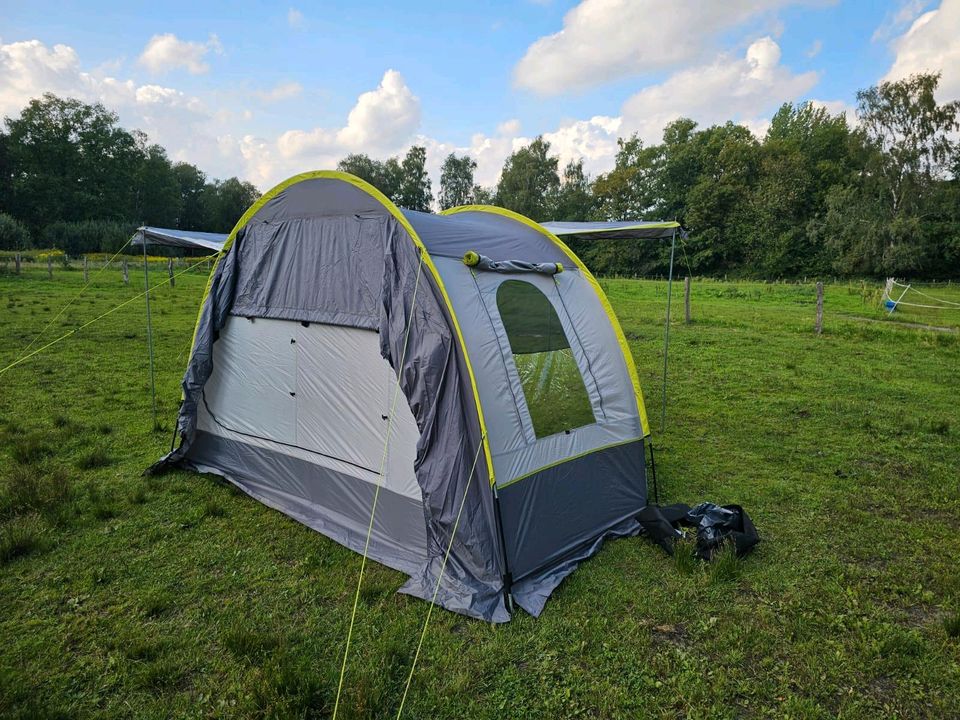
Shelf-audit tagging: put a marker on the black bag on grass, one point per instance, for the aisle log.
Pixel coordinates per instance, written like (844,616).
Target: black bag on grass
(715,525)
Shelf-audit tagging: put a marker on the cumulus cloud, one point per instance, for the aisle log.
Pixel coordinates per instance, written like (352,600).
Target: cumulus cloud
(602,40)
(167,52)
(814,48)
(931,44)
(896,20)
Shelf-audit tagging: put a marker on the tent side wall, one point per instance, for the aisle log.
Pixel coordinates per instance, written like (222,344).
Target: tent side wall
(329,249)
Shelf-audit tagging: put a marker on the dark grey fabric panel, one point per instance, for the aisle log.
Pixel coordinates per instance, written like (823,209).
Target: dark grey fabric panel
(533,591)
(551,514)
(435,381)
(485,233)
(333,503)
(319,269)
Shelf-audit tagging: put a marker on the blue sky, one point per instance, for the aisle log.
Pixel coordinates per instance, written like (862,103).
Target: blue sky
(263,90)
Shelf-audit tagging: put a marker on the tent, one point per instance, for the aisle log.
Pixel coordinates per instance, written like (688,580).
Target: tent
(517,391)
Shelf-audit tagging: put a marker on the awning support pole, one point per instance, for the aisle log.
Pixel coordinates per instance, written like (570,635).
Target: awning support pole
(153,387)
(666,334)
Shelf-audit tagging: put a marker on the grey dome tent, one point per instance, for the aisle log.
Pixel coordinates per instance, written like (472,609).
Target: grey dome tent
(517,385)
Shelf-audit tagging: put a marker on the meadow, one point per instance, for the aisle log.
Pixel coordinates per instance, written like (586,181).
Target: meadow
(178,596)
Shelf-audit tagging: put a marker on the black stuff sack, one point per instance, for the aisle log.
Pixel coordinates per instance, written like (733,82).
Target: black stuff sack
(715,526)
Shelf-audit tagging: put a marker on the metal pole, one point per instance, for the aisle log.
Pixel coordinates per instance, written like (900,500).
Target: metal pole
(666,335)
(153,388)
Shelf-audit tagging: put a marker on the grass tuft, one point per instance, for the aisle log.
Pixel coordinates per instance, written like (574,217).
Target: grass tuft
(951,625)
(20,537)
(30,449)
(95,459)
(246,640)
(685,556)
(725,565)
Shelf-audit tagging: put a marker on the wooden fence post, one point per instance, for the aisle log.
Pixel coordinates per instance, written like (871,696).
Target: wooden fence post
(686,298)
(125,269)
(16,261)
(819,308)
(170,271)
(50,266)
(86,270)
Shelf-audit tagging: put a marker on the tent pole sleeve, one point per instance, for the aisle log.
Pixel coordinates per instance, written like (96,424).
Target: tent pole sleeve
(666,335)
(153,388)
(507,578)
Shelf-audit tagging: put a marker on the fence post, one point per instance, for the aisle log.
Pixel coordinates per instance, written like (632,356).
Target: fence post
(170,271)
(16,260)
(819,308)
(86,271)
(125,268)
(686,298)
(50,266)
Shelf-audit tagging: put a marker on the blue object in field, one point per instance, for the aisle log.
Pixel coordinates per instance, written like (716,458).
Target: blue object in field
(891,305)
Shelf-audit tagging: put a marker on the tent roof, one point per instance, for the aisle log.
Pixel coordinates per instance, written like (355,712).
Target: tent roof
(611,230)
(179,238)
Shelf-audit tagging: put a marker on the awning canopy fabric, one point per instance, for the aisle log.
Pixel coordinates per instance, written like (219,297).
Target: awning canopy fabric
(179,238)
(623,229)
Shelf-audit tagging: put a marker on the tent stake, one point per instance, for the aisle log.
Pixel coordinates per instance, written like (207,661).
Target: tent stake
(666,335)
(153,388)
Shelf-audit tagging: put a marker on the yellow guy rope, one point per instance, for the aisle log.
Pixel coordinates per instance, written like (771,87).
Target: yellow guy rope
(376,492)
(443,567)
(91,322)
(74,299)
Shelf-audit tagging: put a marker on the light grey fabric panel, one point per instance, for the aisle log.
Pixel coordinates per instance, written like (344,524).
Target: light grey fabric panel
(318,269)
(488,356)
(179,238)
(533,591)
(484,233)
(333,503)
(550,515)
(435,381)
(252,388)
(322,388)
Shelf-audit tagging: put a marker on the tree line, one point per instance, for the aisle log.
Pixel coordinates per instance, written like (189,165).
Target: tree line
(817,195)
(72,178)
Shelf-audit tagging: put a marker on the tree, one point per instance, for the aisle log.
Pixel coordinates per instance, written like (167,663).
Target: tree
(415,192)
(158,191)
(573,199)
(456,181)
(384,176)
(888,221)
(13,233)
(227,200)
(628,191)
(71,162)
(190,182)
(529,180)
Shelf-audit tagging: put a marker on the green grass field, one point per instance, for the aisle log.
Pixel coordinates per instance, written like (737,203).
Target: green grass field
(178,596)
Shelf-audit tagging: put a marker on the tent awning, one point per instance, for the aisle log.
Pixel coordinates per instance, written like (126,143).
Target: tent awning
(179,238)
(622,229)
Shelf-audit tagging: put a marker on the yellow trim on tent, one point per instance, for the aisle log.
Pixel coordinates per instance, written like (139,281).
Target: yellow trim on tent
(602,296)
(393,210)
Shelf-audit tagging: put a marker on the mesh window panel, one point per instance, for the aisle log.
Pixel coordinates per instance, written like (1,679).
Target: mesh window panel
(553,387)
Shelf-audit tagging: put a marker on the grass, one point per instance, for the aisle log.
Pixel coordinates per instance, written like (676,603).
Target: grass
(179,596)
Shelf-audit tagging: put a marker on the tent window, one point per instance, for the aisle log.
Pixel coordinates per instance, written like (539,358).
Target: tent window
(552,384)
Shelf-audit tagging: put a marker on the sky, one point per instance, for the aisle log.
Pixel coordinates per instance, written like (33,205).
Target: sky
(266,90)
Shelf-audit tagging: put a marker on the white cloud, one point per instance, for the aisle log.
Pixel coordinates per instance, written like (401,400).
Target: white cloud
(931,44)
(167,52)
(602,40)
(814,48)
(295,19)
(281,91)
(747,90)
(897,20)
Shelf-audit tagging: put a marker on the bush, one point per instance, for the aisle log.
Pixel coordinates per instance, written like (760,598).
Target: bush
(13,233)
(88,236)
